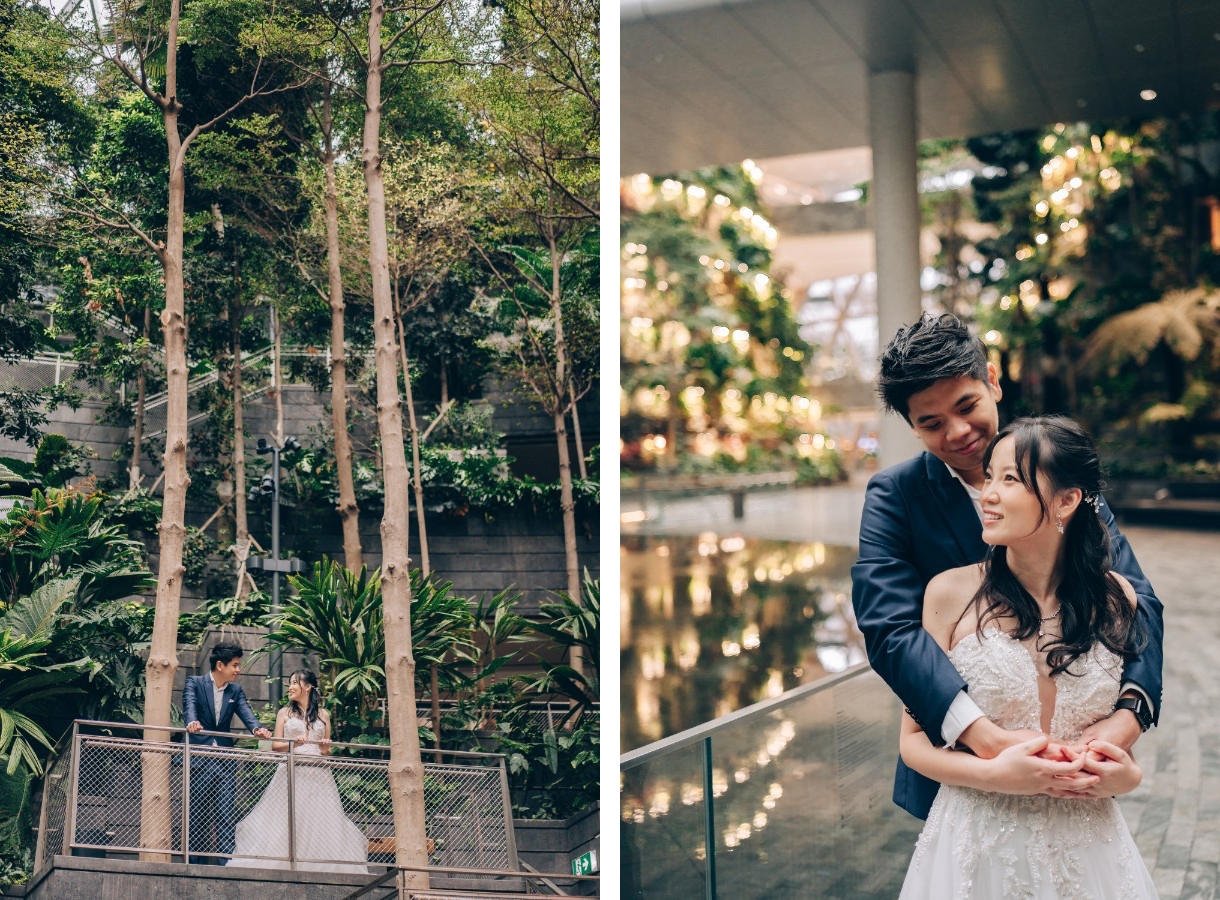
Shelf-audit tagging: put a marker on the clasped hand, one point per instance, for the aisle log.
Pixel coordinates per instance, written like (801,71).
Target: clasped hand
(1089,769)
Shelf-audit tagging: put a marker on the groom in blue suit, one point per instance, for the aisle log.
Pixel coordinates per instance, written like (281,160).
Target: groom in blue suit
(208,704)
(922,517)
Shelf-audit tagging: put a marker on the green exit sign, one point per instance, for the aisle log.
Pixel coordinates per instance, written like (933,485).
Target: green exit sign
(585,864)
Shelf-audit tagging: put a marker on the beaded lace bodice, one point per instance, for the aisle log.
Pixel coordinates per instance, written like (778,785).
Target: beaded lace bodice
(294,730)
(981,846)
(1004,683)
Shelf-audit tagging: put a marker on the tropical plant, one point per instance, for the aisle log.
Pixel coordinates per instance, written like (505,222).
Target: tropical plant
(574,626)
(62,532)
(28,678)
(338,615)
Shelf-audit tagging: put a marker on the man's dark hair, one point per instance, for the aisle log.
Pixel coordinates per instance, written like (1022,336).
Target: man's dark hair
(934,348)
(224,653)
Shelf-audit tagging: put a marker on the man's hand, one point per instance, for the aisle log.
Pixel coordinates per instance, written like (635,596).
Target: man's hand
(194,727)
(262,733)
(1121,729)
(987,740)
(1115,768)
(1020,770)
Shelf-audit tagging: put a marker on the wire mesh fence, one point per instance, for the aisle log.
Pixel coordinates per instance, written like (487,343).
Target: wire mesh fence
(273,806)
(49,370)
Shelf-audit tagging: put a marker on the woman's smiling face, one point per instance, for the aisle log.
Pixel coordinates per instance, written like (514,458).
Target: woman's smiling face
(1011,510)
(298,690)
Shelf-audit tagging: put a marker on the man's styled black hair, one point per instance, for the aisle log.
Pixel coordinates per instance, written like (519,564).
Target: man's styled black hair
(224,653)
(919,355)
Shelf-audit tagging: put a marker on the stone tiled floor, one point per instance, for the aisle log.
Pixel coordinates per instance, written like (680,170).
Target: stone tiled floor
(1175,813)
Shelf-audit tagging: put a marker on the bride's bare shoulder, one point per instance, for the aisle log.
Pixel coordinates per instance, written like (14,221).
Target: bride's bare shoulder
(946,598)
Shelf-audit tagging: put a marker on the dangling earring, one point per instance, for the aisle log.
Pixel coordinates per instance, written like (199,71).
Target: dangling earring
(1059,522)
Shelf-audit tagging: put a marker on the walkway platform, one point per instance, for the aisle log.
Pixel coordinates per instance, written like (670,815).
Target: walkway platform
(1175,813)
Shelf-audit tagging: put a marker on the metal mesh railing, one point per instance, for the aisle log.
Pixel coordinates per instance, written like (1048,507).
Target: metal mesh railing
(263,808)
(48,370)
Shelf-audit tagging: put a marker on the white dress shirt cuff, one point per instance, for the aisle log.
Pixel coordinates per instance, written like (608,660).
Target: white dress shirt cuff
(963,712)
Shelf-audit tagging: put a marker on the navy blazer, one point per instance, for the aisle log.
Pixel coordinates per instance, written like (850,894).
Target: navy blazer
(198,706)
(917,522)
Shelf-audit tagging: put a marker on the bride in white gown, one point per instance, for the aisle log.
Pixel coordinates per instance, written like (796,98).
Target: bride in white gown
(325,840)
(1038,630)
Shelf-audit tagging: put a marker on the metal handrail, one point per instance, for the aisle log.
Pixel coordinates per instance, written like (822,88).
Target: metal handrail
(245,735)
(533,875)
(760,710)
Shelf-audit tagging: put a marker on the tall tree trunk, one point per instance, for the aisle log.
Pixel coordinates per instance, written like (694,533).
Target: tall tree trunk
(349,510)
(567,503)
(417,481)
(156,807)
(137,432)
(406,765)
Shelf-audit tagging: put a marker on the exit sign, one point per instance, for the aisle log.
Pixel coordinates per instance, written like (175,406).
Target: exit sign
(585,864)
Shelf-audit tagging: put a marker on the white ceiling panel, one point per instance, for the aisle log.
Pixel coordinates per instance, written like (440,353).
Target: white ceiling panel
(795,30)
(723,81)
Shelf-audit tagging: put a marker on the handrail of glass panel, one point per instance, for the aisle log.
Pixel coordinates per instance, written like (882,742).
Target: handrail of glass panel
(761,709)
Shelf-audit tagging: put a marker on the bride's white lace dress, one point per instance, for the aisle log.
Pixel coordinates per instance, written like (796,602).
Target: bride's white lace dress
(323,833)
(1002,847)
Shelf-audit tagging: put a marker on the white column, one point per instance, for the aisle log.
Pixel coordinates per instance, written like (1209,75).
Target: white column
(895,200)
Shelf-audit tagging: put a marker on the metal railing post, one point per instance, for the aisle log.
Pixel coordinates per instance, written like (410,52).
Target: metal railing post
(40,848)
(73,788)
(508,816)
(186,798)
(709,821)
(292,813)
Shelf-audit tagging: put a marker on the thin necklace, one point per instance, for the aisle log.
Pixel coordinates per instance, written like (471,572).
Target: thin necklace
(1046,619)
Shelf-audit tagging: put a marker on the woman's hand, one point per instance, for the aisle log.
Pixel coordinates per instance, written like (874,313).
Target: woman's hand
(1021,769)
(324,746)
(1115,769)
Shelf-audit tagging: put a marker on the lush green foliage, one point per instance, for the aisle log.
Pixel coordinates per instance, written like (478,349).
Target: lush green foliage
(1097,284)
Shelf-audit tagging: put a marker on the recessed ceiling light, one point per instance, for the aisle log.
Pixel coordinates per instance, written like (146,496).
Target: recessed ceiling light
(1139,48)
(1082,103)
(1148,94)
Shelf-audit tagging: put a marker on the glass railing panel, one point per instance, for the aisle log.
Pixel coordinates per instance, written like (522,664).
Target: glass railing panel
(663,821)
(800,798)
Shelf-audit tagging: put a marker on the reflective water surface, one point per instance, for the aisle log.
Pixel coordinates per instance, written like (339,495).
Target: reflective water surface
(714,623)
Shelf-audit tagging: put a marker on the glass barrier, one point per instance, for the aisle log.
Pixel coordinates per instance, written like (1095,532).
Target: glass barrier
(789,798)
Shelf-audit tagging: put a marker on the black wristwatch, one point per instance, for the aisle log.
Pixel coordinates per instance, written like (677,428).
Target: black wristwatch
(1139,706)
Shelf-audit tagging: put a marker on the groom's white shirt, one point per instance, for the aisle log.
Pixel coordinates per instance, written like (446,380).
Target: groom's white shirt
(218,694)
(963,711)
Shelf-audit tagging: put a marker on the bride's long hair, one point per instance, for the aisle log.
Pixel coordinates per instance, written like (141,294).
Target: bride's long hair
(1092,605)
(310,713)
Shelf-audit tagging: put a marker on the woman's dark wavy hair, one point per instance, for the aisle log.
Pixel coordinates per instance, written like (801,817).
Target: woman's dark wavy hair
(310,714)
(1092,605)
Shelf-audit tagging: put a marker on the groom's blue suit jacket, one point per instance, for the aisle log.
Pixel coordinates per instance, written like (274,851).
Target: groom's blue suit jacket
(197,706)
(917,522)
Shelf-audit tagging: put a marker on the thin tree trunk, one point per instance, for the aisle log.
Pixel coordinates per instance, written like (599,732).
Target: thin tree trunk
(137,436)
(349,510)
(580,445)
(406,765)
(417,481)
(567,503)
(156,806)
